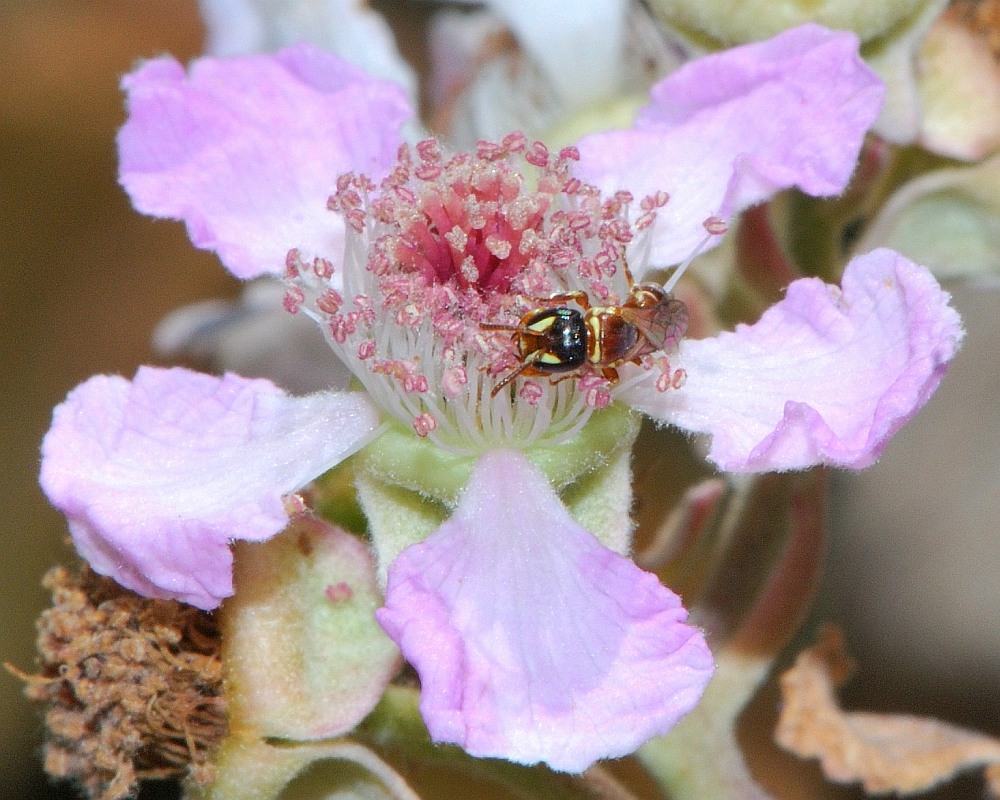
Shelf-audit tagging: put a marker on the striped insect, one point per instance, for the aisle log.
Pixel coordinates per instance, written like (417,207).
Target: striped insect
(556,339)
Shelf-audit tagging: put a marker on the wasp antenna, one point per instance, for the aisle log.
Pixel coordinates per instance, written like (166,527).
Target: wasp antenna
(494,326)
(628,273)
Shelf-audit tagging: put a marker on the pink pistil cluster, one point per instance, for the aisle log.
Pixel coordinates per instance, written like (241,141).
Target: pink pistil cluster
(444,246)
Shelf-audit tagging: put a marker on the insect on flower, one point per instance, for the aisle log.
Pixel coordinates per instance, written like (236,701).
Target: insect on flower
(555,338)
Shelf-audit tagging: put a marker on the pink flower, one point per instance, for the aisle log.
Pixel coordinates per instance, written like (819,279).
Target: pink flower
(534,641)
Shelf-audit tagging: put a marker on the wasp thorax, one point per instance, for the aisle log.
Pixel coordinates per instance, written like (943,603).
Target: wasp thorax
(464,276)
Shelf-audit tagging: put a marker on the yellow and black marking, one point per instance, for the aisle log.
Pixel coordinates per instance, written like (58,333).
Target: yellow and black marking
(560,339)
(554,339)
(542,324)
(594,343)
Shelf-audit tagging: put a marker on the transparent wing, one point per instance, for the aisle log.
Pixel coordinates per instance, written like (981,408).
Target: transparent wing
(663,325)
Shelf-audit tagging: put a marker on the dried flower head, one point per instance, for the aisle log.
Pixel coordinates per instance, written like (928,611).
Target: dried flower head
(133,686)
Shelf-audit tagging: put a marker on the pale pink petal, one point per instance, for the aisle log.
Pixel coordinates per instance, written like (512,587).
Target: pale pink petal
(253,336)
(826,376)
(247,150)
(158,475)
(457,42)
(349,28)
(731,129)
(578,45)
(533,641)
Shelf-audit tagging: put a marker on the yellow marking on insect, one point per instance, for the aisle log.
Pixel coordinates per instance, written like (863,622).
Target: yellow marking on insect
(549,358)
(594,356)
(541,325)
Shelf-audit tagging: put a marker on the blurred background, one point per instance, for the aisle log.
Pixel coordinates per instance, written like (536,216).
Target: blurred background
(84,280)
(914,566)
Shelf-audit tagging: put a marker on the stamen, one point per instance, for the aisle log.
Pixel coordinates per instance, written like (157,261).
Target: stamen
(531,392)
(596,391)
(714,226)
(443,260)
(423,424)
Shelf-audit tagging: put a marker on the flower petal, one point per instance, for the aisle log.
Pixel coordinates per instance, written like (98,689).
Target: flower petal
(959,86)
(157,475)
(253,336)
(348,28)
(895,59)
(579,45)
(731,129)
(824,377)
(247,150)
(533,641)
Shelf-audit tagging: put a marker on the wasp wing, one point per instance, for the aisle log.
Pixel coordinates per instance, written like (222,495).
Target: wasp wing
(663,325)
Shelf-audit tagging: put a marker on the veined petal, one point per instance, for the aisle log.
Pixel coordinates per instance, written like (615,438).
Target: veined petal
(825,376)
(348,28)
(158,475)
(533,641)
(563,37)
(733,128)
(247,150)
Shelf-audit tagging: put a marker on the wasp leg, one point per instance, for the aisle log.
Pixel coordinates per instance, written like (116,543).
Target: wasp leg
(628,274)
(610,375)
(579,297)
(574,374)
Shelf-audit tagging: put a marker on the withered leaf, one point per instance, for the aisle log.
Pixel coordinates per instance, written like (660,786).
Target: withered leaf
(884,752)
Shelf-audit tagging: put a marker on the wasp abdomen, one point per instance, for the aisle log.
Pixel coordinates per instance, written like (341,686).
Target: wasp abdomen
(612,338)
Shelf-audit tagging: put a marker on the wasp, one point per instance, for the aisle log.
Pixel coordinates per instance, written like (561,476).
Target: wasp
(557,339)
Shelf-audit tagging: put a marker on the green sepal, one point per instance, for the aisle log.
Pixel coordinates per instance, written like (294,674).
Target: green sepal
(408,487)
(400,458)
(255,769)
(701,757)
(947,220)
(333,497)
(397,518)
(716,24)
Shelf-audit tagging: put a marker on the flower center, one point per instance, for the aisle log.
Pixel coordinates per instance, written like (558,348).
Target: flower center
(450,268)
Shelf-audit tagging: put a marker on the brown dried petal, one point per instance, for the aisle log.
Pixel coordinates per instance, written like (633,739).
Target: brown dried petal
(992,776)
(885,752)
